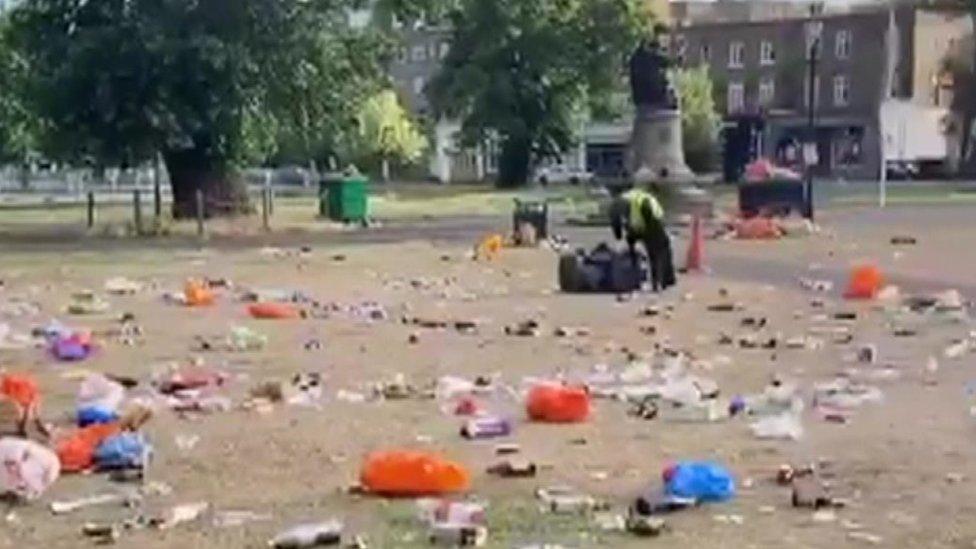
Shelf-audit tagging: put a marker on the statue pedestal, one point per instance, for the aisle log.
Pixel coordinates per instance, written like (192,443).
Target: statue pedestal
(656,151)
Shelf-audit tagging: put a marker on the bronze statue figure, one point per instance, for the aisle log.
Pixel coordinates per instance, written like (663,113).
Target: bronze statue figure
(649,83)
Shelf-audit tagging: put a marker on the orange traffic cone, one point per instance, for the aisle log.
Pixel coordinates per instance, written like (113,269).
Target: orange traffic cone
(696,248)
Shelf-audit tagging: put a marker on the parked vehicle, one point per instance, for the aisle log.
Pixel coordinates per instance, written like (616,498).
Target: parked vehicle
(560,174)
(902,171)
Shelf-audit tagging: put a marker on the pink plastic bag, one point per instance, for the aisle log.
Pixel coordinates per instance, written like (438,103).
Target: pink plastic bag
(27,469)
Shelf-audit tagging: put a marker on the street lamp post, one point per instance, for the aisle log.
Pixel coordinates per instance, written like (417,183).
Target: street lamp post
(814,29)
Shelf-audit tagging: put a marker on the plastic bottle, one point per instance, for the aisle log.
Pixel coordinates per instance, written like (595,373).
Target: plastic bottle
(309,535)
(486,427)
(458,535)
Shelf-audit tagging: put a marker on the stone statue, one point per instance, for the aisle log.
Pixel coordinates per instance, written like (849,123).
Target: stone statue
(656,152)
(649,83)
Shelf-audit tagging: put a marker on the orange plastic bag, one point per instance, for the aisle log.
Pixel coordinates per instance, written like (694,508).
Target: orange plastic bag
(489,247)
(21,389)
(865,283)
(197,294)
(758,228)
(273,311)
(558,404)
(77,451)
(408,473)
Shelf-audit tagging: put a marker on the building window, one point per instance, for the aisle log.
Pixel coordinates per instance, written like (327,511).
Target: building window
(806,91)
(767,92)
(842,91)
(445,48)
(767,53)
(842,44)
(418,54)
(737,54)
(736,100)
(403,55)
(418,85)
(705,53)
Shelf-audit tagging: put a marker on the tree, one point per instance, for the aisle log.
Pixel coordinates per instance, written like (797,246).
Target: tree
(18,129)
(700,121)
(208,84)
(529,73)
(387,133)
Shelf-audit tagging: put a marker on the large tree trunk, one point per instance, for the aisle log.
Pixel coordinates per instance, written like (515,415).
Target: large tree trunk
(223,192)
(513,163)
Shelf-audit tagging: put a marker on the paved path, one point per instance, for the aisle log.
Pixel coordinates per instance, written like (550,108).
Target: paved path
(950,260)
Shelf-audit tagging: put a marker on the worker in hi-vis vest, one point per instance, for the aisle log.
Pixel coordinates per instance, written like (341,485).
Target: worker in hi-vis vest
(638,215)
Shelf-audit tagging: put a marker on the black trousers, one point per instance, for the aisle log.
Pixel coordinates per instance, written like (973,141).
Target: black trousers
(657,244)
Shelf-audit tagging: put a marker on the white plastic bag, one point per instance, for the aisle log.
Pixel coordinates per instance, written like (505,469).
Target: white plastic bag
(99,391)
(27,469)
(451,387)
(780,427)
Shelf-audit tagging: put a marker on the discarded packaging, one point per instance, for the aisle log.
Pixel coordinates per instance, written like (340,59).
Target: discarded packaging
(486,427)
(454,523)
(513,468)
(65,507)
(29,469)
(645,525)
(782,427)
(458,535)
(809,492)
(408,473)
(704,481)
(956,349)
(179,514)
(122,286)
(562,500)
(230,519)
(103,534)
(844,394)
(705,411)
(309,535)
(654,502)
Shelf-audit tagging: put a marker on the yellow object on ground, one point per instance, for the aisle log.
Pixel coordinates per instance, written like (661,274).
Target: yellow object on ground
(489,247)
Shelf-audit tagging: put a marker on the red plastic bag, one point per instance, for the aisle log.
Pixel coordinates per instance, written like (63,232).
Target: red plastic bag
(408,473)
(77,451)
(273,311)
(558,404)
(21,389)
(190,376)
(865,283)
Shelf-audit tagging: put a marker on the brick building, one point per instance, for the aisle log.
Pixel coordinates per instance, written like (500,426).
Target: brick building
(761,68)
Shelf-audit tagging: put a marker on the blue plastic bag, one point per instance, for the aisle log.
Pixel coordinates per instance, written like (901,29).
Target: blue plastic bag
(122,451)
(704,481)
(92,415)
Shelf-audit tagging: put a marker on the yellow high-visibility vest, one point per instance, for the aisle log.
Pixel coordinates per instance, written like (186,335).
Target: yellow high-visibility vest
(637,198)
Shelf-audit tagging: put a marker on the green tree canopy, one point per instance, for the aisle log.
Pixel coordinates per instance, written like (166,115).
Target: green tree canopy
(386,132)
(700,120)
(206,83)
(530,72)
(18,129)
